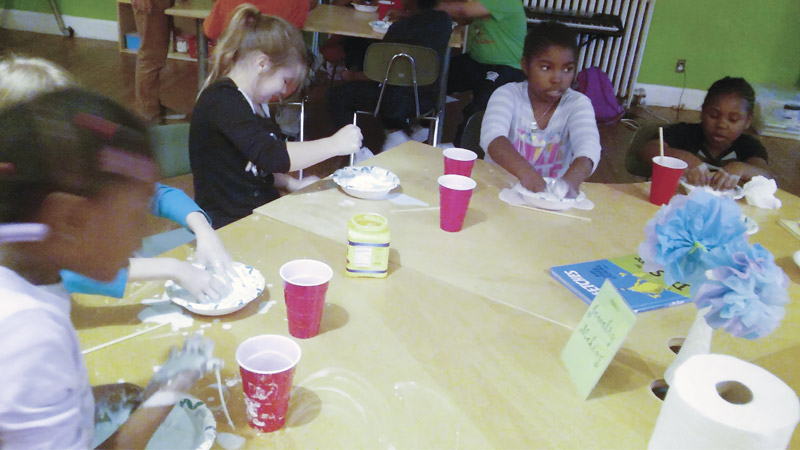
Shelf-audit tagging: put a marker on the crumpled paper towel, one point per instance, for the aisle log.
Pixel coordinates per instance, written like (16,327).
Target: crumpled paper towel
(760,192)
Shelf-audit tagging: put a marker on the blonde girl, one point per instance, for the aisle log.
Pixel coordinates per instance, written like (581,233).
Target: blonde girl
(234,148)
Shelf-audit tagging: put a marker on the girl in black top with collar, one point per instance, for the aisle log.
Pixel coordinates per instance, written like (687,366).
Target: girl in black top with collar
(717,152)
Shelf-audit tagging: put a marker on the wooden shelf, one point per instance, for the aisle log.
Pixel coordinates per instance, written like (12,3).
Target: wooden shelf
(126,24)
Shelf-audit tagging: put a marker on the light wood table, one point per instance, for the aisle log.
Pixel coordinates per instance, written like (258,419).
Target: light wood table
(504,252)
(410,361)
(346,21)
(442,353)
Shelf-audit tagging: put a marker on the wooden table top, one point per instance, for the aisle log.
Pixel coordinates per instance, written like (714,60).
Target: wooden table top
(192,9)
(425,358)
(333,19)
(346,21)
(504,252)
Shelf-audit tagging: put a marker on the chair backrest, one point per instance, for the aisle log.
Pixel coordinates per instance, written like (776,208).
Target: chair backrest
(171,147)
(394,64)
(471,138)
(633,164)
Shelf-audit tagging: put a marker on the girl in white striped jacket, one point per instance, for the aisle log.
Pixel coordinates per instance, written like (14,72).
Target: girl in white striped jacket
(540,128)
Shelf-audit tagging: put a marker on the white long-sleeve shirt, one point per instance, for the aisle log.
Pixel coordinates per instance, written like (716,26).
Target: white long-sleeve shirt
(570,134)
(45,396)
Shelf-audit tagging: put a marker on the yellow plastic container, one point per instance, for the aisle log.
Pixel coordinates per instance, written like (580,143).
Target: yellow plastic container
(368,246)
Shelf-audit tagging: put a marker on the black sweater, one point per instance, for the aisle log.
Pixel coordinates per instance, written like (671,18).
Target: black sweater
(225,136)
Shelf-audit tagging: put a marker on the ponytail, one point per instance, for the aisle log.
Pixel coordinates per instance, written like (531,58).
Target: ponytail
(248,31)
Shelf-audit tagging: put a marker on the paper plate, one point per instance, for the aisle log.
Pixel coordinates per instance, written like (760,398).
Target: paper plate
(365,8)
(189,426)
(380,26)
(750,224)
(546,200)
(367,182)
(247,286)
(735,193)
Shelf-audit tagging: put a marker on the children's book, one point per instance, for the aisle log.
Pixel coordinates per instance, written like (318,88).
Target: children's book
(643,291)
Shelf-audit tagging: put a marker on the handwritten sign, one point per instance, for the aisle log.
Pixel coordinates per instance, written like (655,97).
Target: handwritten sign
(597,338)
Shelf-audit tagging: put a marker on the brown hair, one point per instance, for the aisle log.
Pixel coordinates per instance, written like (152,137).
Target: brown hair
(57,142)
(249,31)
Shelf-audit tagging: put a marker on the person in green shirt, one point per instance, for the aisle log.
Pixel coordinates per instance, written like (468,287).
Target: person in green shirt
(497,30)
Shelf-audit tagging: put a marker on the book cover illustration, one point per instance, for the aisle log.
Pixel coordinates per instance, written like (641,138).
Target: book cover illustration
(643,291)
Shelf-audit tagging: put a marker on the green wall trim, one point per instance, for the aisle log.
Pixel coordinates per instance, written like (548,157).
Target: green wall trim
(92,9)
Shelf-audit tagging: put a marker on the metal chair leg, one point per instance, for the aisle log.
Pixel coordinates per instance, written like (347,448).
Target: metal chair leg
(65,30)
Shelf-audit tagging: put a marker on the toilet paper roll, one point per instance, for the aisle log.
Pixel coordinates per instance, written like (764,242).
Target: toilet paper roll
(696,416)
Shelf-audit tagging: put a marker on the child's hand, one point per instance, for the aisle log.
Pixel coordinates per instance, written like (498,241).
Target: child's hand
(204,285)
(308,180)
(181,371)
(567,188)
(698,175)
(347,140)
(723,181)
(212,254)
(532,181)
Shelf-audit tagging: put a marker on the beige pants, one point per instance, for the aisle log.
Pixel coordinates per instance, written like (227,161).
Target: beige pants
(154,32)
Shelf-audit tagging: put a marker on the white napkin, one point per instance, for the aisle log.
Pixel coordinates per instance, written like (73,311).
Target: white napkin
(513,197)
(760,192)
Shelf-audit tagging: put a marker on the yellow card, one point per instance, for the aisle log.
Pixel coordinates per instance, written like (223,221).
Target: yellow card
(597,338)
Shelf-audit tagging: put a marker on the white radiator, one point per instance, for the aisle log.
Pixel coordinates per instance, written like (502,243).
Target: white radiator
(620,58)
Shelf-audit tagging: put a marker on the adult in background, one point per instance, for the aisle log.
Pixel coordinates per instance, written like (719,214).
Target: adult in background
(497,30)
(153,27)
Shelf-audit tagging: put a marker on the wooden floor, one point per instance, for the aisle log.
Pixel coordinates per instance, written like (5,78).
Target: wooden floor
(100,66)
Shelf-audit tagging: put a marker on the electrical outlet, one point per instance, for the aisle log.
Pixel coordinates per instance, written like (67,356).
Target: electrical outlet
(680,66)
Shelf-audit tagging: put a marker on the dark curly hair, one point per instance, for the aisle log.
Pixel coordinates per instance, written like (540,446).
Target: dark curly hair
(543,35)
(731,85)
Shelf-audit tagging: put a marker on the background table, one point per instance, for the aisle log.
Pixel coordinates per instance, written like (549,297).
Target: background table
(423,359)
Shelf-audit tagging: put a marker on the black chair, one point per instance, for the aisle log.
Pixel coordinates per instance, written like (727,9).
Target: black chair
(471,138)
(633,164)
(394,64)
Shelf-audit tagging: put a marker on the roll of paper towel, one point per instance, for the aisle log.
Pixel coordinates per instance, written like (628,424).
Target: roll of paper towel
(761,414)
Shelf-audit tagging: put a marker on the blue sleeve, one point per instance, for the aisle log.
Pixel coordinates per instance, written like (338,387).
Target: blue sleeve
(78,284)
(173,204)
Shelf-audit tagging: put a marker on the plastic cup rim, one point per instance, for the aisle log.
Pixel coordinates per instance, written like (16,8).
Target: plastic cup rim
(457,182)
(460,154)
(291,342)
(327,271)
(671,163)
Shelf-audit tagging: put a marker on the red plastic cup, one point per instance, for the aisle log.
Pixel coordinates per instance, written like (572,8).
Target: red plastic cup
(267,364)
(383,7)
(667,172)
(459,161)
(454,194)
(305,282)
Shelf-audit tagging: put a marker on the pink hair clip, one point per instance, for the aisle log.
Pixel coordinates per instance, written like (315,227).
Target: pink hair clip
(7,168)
(128,164)
(98,125)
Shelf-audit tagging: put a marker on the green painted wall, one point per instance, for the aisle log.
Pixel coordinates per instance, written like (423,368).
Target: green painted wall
(93,9)
(756,39)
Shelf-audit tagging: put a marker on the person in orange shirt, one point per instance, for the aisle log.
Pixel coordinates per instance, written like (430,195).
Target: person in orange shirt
(293,11)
